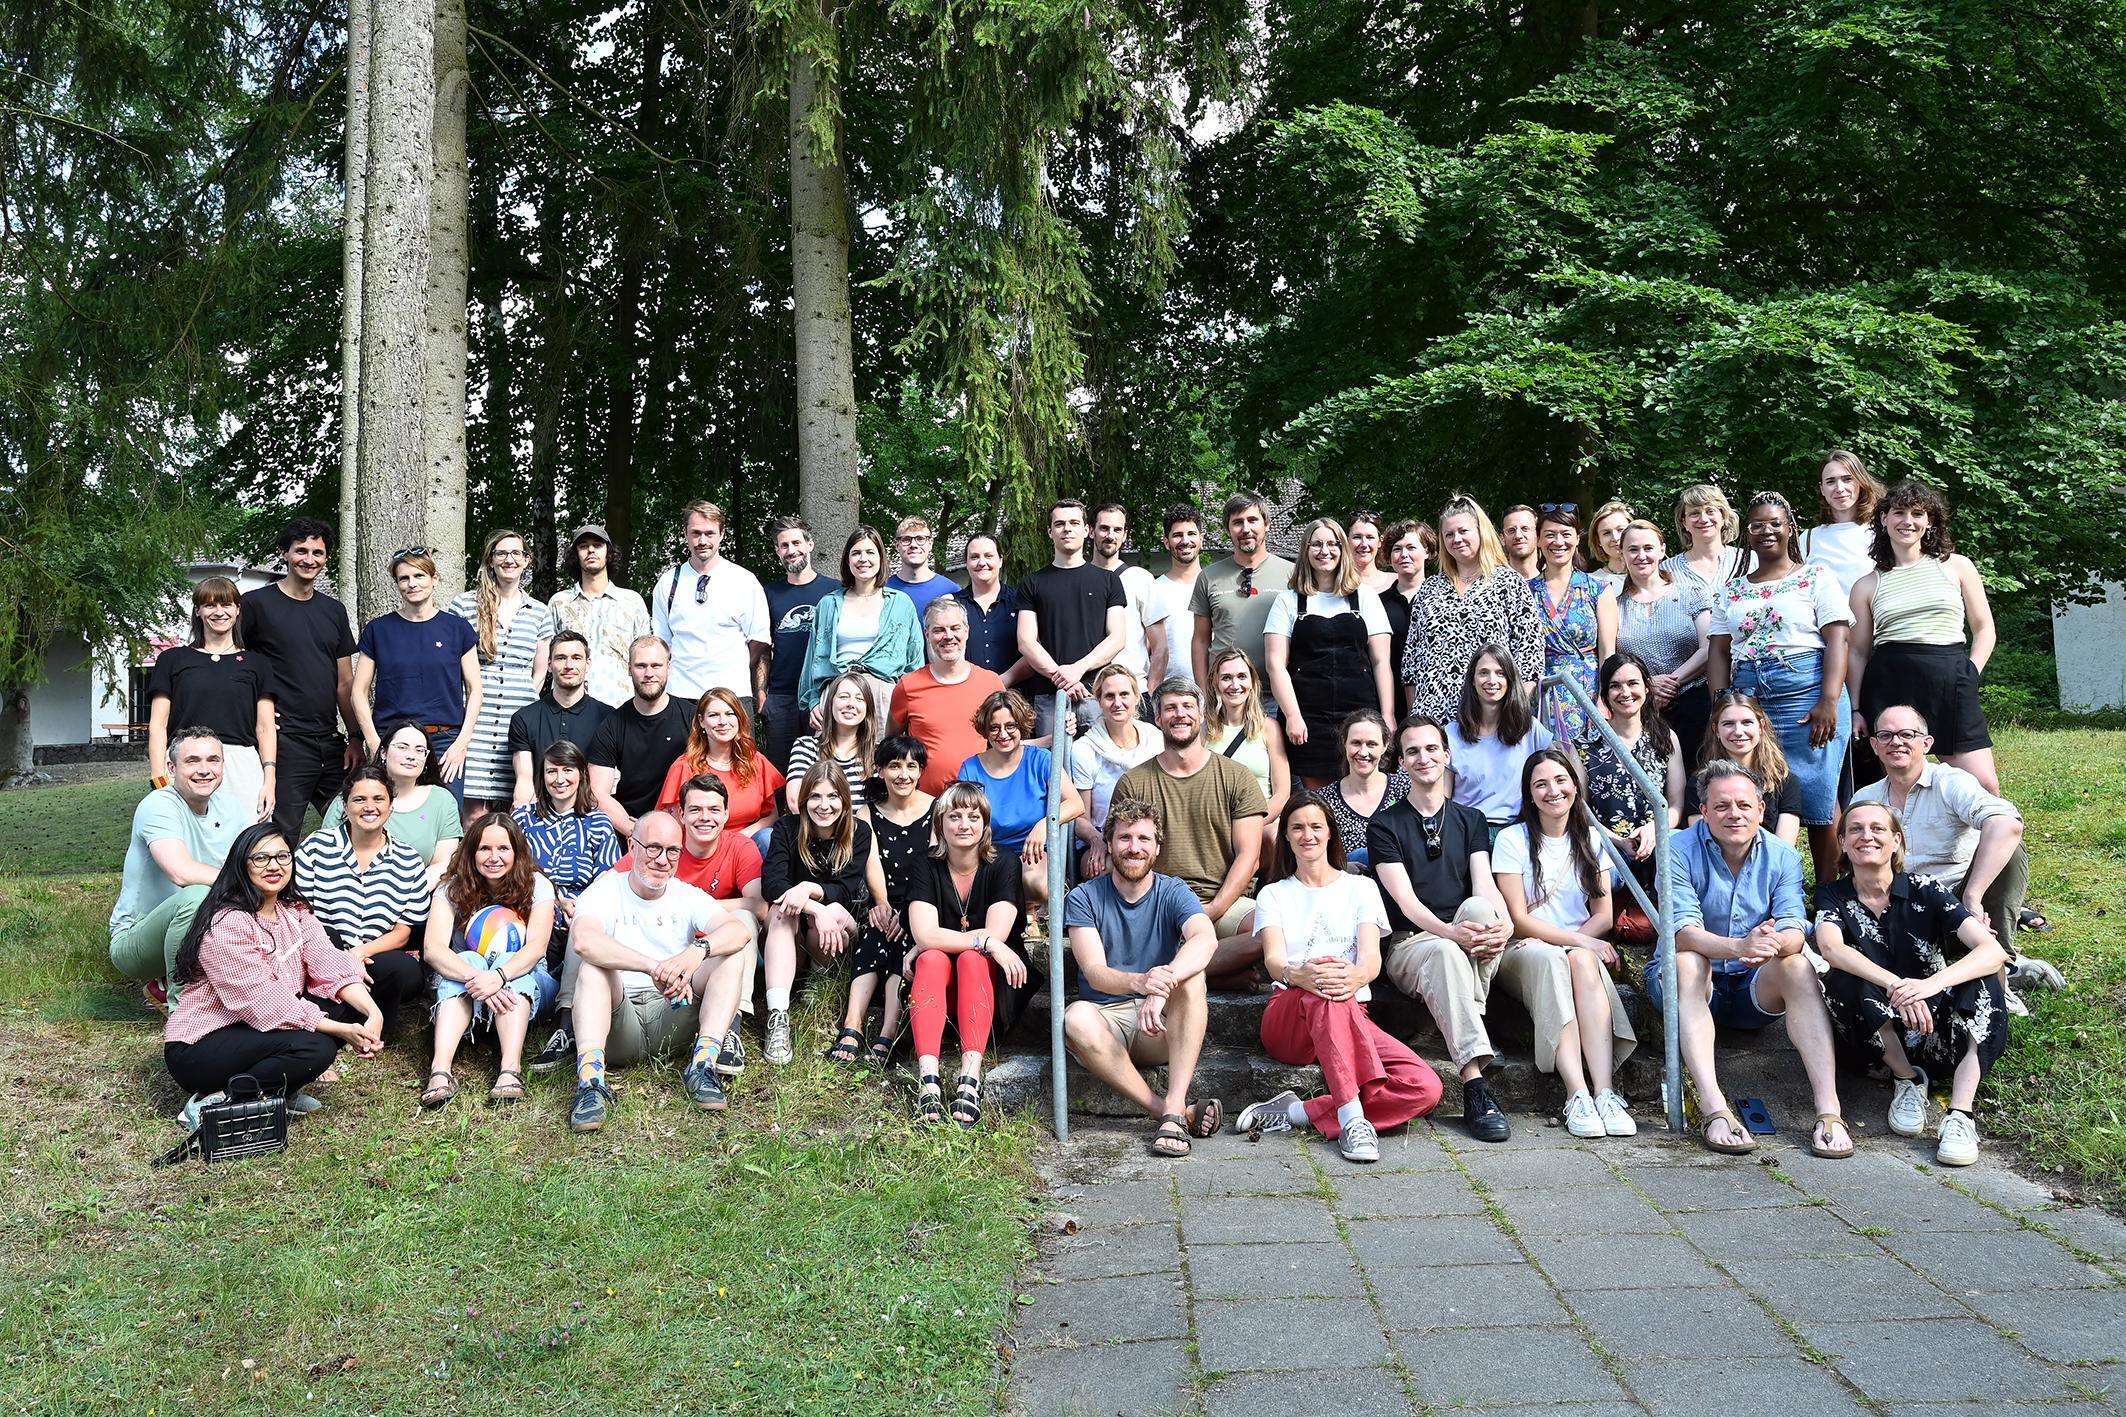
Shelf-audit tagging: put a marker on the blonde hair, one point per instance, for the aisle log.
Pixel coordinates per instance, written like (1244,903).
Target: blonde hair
(488,618)
(1348,577)
(1867,494)
(1897,830)
(1704,494)
(1642,524)
(703,508)
(1113,671)
(1490,555)
(1253,722)
(1591,552)
(963,794)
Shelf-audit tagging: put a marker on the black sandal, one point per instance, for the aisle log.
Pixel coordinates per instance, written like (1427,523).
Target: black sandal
(930,1101)
(967,1100)
(880,1054)
(847,1047)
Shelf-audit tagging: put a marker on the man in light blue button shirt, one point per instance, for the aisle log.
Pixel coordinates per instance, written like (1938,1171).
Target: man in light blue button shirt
(1740,927)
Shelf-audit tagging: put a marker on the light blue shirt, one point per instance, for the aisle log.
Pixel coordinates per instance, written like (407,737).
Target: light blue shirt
(1703,892)
(1487,773)
(163,815)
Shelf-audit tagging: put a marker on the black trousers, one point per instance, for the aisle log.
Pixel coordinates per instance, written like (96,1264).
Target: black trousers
(308,771)
(282,1060)
(395,977)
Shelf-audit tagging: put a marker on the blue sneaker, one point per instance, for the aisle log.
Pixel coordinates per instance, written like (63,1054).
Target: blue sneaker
(703,1089)
(593,1101)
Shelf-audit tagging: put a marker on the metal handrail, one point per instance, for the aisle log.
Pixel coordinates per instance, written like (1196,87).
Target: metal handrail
(1058,857)
(1665,930)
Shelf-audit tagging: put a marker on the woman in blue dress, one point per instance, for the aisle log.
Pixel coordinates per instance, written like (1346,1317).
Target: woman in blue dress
(1579,617)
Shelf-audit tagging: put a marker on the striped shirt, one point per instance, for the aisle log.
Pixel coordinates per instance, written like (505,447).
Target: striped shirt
(572,849)
(356,904)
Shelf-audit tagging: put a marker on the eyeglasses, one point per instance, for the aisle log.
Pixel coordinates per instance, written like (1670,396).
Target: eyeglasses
(404,551)
(912,540)
(1247,580)
(1897,735)
(1433,836)
(1573,507)
(659,853)
(270,858)
(701,588)
(1775,524)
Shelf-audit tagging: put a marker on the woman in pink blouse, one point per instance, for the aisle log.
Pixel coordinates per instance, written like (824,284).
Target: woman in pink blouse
(260,989)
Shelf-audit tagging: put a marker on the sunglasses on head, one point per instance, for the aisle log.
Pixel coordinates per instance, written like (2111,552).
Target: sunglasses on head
(1557,507)
(404,551)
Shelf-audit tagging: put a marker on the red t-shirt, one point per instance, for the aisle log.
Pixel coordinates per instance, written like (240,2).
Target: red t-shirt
(941,718)
(750,801)
(724,873)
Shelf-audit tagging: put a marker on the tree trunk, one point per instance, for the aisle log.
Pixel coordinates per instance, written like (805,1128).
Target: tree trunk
(395,228)
(18,753)
(819,284)
(443,358)
(637,237)
(355,172)
(556,343)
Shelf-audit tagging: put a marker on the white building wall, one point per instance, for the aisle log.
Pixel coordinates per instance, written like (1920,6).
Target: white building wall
(2089,642)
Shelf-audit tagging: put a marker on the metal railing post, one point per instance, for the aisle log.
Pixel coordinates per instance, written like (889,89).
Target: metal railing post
(1058,860)
(1665,930)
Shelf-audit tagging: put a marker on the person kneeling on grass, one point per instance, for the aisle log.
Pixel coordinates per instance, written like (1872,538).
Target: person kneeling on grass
(488,968)
(660,962)
(963,913)
(180,838)
(1320,927)
(819,878)
(264,992)
(1142,942)
(1893,993)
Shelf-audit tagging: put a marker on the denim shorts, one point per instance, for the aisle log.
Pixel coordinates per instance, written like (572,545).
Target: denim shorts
(1734,1000)
(538,986)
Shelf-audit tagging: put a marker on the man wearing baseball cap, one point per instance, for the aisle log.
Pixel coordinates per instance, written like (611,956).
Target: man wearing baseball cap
(611,617)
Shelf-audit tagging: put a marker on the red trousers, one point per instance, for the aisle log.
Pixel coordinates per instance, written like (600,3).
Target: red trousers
(1357,1060)
(968,979)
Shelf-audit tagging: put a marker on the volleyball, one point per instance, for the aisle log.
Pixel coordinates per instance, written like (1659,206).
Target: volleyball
(494,932)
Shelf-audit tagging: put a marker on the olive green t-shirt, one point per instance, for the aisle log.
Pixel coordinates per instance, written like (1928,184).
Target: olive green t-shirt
(1237,616)
(1197,816)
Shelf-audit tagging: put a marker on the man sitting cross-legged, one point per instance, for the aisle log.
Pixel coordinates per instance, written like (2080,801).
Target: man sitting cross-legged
(1735,890)
(1142,942)
(660,961)
(1447,922)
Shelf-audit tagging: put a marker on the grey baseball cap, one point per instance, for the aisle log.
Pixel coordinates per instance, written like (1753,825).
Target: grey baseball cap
(590,529)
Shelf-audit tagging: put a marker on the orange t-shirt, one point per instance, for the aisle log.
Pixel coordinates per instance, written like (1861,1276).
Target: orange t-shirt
(941,718)
(750,801)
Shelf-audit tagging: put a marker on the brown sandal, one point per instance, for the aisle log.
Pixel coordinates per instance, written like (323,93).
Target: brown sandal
(510,1091)
(1734,1129)
(1171,1139)
(1825,1120)
(437,1093)
(1205,1118)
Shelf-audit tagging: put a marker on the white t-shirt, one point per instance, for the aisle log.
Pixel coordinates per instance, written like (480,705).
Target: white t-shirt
(709,637)
(1096,764)
(1321,922)
(1180,629)
(1847,548)
(1147,606)
(1564,903)
(1284,611)
(1778,617)
(656,929)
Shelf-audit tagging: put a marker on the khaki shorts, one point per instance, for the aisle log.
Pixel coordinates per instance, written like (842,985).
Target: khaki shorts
(645,1025)
(1142,1047)
(1237,917)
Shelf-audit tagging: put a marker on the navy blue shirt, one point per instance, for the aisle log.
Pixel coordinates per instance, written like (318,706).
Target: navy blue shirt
(790,612)
(419,673)
(993,634)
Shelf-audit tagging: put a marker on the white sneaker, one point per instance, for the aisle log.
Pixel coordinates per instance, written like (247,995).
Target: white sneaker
(1581,1117)
(1616,1121)
(1908,1104)
(2016,1007)
(1959,1140)
(1359,1142)
(188,1115)
(1272,1114)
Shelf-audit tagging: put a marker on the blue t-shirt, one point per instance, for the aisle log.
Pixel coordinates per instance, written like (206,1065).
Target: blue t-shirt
(419,674)
(1017,804)
(790,612)
(1134,936)
(923,592)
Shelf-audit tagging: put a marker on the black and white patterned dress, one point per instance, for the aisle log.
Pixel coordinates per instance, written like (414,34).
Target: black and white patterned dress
(1613,795)
(505,687)
(1910,938)
(1350,826)
(1447,629)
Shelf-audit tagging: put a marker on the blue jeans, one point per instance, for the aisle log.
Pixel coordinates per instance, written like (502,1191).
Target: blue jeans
(537,987)
(1788,686)
(1734,999)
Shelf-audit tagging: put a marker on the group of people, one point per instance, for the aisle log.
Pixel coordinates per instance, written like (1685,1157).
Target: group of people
(645,820)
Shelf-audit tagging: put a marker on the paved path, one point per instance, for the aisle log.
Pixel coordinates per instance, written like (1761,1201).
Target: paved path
(1630,1276)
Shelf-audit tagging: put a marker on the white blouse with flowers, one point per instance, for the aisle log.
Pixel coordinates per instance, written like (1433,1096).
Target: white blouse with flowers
(1781,617)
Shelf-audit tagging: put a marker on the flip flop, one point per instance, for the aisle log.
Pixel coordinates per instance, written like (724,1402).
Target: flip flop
(1734,1129)
(2034,921)
(1205,1118)
(1823,1147)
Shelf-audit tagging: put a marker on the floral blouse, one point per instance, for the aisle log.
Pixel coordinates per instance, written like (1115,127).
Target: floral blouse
(1613,795)
(1776,619)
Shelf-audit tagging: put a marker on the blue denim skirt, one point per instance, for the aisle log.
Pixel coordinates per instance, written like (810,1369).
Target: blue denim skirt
(1788,686)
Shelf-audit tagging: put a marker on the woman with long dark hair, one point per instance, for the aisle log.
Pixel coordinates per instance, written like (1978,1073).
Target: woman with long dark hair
(1579,618)
(1492,733)
(260,989)
(1614,798)
(1406,547)
(819,880)
(865,625)
(212,681)
(572,844)
(489,966)
(849,730)
(1555,877)
(1370,785)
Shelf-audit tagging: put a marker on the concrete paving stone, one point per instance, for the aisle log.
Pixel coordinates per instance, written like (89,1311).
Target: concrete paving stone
(1347,1392)
(2065,1325)
(1282,1172)
(1760,1387)
(1714,1187)
(1405,1193)
(1121,1250)
(1583,1210)
(1530,1130)
(1118,1203)
(1148,1378)
(1995,1262)
(1851,1287)
(2086,1228)
(1577,1409)
(1102,1310)
(1538,1168)
(1872,1170)
(1272,1271)
(2003,1187)
(1464,1296)
(1911,1212)
(1987,1409)
(1475,1367)
(1450,1239)
(1799,1230)
(1681,1323)
(1944,1360)
(1421,1146)
(1243,1335)
(1598,1262)
(1264,1220)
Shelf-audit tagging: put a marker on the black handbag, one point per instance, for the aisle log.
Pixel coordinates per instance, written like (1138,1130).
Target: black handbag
(244,1122)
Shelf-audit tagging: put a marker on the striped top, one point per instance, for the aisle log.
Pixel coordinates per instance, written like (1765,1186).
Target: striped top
(1919,604)
(356,904)
(572,848)
(505,687)
(805,752)
(1734,560)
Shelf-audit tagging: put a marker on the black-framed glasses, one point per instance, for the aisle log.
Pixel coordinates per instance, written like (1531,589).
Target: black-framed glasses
(701,588)
(1897,735)
(1247,580)
(404,551)
(1434,842)
(271,858)
(658,853)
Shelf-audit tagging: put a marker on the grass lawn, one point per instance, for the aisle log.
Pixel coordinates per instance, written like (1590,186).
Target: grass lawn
(809,1252)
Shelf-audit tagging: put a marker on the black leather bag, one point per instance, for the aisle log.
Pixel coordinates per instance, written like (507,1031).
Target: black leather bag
(245,1122)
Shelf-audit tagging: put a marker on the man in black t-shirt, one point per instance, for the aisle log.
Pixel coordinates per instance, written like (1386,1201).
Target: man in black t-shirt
(634,749)
(1431,857)
(567,710)
(1073,620)
(304,632)
(792,602)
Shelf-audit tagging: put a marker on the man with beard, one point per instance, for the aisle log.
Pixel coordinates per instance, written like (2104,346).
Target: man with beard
(1232,599)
